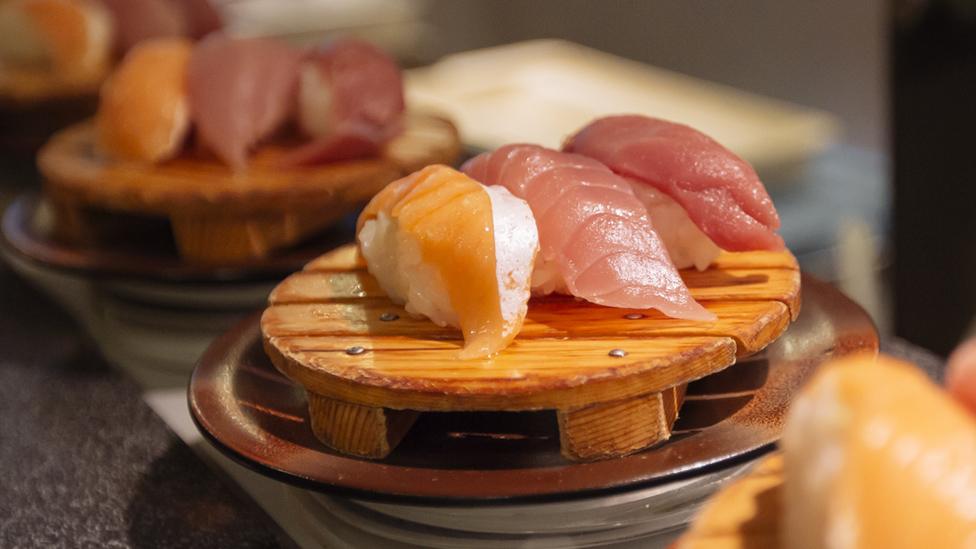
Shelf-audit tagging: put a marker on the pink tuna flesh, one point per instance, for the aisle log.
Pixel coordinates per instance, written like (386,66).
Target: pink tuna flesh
(596,240)
(241,91)
(351,102)
(720,191)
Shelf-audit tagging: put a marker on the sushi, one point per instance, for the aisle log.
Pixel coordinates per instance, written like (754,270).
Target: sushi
(597,240)
(149,127)
(873,455)
(454,251)
(687,245)
(350,101)
(339,102)
(70,37)
(878,456)
(720,191)
(241,91)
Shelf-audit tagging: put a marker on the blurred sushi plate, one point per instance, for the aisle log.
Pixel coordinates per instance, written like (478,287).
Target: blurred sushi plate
(548,88)
(149,312)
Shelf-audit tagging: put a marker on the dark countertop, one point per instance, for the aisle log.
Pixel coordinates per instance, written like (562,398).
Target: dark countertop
(85,463)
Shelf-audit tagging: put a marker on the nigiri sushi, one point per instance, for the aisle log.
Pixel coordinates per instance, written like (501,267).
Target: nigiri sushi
(72,37)
(596,238)
(720,191)
(455,251)
(144,111)
(877,456)
(687,245)
(241,91)
(350,101)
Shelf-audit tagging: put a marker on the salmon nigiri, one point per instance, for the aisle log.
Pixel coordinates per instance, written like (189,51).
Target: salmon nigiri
(878,456)
(74,37)
(597,241)
(454,251)
(144,112)
(720,191)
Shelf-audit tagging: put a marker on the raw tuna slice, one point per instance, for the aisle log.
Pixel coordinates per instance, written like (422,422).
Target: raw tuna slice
(596,240)
(241,91)
(350,102)
(720,191)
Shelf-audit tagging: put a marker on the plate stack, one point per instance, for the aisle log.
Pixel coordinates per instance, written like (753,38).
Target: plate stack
(645,518)
(149,312)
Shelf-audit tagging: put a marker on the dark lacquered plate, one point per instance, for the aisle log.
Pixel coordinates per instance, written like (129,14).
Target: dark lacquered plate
(145,251)
(258,417)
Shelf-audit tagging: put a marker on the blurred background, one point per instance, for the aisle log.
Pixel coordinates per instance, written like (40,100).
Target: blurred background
(856,114)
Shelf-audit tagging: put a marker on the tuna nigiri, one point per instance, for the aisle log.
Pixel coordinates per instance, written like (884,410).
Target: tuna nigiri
(720,191)
(596,238)
(241,90)
(687,245)
(454,251)
(350,101)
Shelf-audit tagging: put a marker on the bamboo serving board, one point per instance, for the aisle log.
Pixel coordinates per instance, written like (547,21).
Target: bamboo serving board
(744,514)
(615,377)
(218,215)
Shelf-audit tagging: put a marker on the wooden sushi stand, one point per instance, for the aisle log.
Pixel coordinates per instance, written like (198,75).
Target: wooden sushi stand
(615,377)
(217,215)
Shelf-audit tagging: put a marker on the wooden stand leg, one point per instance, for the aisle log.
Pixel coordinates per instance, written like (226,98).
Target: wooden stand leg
(619,428)
(358,430)
(214,239)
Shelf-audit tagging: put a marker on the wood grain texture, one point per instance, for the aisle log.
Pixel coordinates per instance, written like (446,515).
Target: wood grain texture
(619,428)
(558,361)
(711,285)
(752,325)
(361,430)
(530,375)
(743,515)
(349,259)
(331,329)
(221,216)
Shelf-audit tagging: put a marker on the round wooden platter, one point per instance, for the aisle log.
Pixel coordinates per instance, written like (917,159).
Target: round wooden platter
(148,255)
(216,215)
(615,377)
(249,410)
